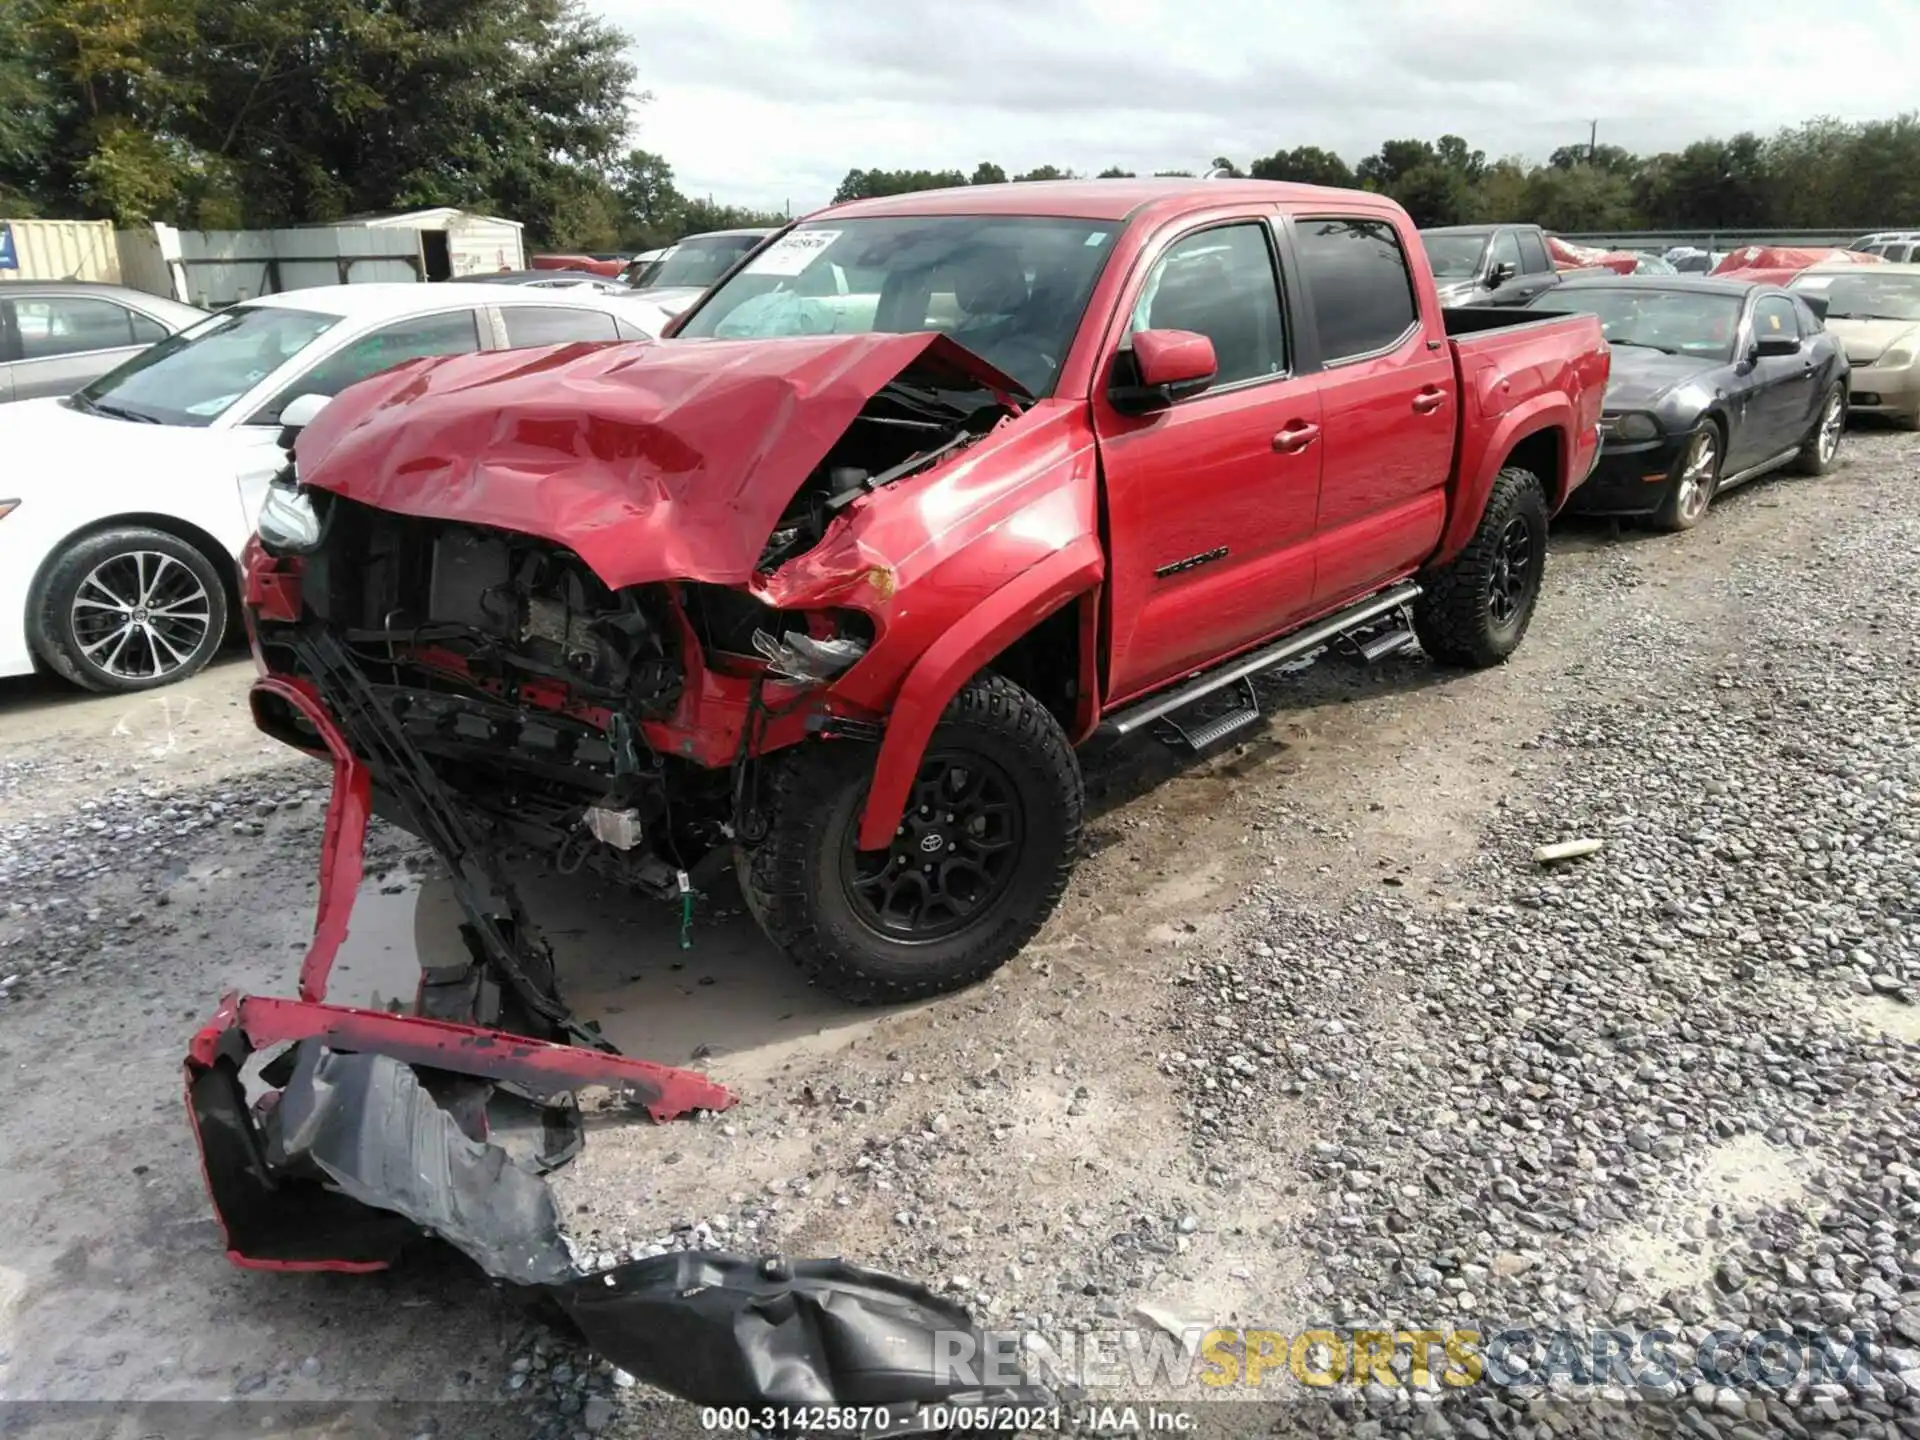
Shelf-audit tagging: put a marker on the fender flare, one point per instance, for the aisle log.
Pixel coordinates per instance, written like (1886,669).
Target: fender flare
(1545,412)
(955,658)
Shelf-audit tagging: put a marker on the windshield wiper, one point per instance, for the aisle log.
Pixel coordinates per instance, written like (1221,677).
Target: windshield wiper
(120,412)
(1645,345)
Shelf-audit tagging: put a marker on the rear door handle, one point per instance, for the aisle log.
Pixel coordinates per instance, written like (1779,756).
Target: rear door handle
(1296,436)
(1428,401)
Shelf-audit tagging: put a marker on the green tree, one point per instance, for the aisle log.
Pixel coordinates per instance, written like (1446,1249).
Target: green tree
(1433,194)
(1580,198)
(1114,172)
(988,173)
(652,205)
(1046,172)
(700,216)
(1396,158)
(865,184)
(1228,170)
(1304,164)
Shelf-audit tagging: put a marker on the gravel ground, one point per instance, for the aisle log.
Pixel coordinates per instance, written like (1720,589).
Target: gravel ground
(1313,1041)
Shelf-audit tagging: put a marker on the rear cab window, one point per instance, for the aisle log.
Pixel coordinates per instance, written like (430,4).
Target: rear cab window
(1359,283)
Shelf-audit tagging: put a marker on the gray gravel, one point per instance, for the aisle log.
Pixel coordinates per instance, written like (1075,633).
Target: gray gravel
(1675,1082)
(1509,1094)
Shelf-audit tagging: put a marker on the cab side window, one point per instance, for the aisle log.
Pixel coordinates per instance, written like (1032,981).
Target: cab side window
(1221,283)
(1775,315)
(1361,284)
(1506,250)
(457,333)
(1533,254)
(64,325)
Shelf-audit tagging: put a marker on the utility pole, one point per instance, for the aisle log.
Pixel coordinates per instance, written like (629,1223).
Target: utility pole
(1593,134)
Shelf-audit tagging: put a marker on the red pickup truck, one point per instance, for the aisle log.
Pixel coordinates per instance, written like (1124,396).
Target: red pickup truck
(927,493)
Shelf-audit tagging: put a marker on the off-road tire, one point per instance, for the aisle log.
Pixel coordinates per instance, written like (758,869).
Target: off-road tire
(50,607)
(1812,460)
(1453,616)
(811,799)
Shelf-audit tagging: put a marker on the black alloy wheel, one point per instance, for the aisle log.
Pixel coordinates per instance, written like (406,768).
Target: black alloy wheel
(952,857)
(1510,578)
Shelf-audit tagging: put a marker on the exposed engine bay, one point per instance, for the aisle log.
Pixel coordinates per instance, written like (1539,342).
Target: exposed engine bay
(911,424)
(529,686)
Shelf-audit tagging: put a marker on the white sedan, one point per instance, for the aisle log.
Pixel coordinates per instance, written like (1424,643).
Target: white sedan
(124,507)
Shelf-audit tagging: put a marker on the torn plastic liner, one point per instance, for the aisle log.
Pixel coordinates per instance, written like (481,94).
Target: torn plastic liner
(347,1157)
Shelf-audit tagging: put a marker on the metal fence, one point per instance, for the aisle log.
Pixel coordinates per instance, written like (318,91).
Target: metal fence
(1716,239)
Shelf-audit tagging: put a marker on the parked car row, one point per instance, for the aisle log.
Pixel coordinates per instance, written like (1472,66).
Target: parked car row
(1715,381)
(124,505)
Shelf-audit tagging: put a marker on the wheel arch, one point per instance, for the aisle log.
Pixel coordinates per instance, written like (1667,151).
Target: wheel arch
(184,531)
(1012,621)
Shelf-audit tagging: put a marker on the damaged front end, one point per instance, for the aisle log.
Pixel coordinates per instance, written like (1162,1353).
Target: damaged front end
(570,625)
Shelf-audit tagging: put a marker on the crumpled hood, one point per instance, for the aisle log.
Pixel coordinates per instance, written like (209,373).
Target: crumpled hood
(1867,340)
(1640,376)
(651,461)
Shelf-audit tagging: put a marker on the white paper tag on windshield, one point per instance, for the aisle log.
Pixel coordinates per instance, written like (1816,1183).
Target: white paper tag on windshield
(792,253)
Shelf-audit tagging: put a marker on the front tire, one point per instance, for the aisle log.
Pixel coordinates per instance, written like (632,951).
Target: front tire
(128,609)
(1696,479)
(991,834)
(1822,446)
(1474,610)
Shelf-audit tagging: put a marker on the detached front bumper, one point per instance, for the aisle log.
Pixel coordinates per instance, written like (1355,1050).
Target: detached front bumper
(394,1112)
(1630,478)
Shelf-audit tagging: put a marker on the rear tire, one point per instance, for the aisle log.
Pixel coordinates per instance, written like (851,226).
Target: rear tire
(1474,610)
(128,609)
(961,890)
(1821,449)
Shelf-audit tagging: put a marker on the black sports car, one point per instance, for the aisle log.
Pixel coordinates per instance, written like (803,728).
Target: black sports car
(1714,382)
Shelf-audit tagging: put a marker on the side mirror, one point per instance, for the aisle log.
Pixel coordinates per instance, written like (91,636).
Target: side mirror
(297,414)
(1502,273)
(1776,347)
(1161,367)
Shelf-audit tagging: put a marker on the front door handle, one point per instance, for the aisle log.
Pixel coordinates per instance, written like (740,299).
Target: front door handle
(1428,401)
(1295,437)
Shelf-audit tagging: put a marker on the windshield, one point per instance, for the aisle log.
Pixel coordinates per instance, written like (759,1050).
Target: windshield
(1865,296)
(1454,257)
(1680,322)
(697,262)
(1010,288)
(193,378)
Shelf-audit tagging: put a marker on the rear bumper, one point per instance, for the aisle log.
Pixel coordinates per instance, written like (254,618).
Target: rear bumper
(1629,479)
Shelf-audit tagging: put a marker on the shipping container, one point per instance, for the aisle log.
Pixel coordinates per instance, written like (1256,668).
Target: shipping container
(58,250)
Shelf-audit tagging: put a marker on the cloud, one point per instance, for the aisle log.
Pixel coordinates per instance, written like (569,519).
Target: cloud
(770,102)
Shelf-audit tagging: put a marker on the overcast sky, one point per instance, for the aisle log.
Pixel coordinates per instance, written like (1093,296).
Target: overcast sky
(772,101)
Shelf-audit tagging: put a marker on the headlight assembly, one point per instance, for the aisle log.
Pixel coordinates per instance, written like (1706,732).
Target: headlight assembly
(1636,425)
(288,522)
(1895,359)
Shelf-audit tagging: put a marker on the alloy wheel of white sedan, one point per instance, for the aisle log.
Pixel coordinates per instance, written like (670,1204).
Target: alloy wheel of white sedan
(128,609)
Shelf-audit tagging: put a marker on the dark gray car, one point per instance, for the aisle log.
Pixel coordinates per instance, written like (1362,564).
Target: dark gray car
(56,335)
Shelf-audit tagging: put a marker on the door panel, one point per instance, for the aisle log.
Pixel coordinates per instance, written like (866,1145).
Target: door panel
(1211,501)
(1780,406)
(1212,528)
(1389,406)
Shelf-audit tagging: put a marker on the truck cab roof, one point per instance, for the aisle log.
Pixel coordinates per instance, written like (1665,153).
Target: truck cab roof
(1094,199)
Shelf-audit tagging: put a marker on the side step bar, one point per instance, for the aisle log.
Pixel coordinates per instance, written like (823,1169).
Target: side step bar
(1136,717)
